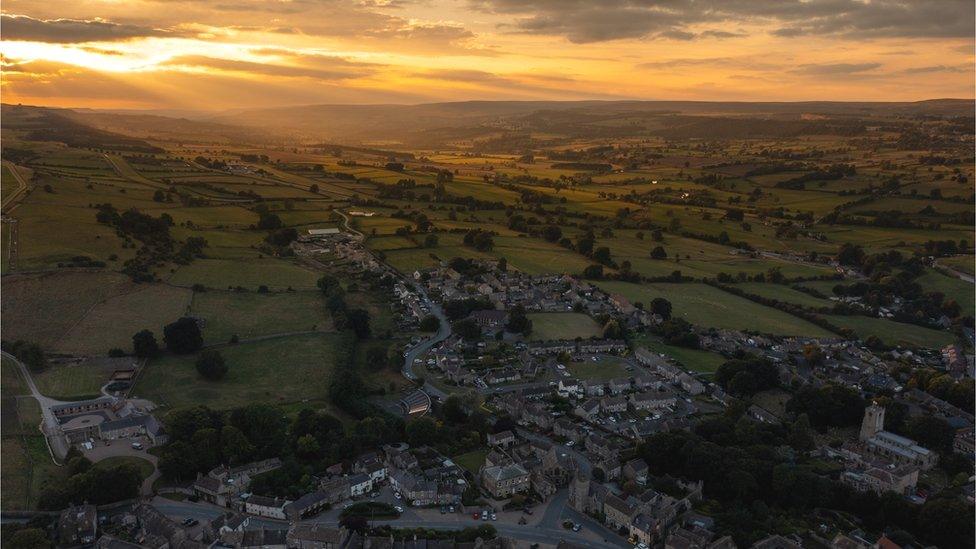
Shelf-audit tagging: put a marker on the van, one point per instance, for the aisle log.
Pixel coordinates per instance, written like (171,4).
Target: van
(136,446)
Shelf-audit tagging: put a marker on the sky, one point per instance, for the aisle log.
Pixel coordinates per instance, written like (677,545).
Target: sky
(226,54)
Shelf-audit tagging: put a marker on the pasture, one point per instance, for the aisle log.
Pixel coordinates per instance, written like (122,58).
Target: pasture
(696,360)
(546,326)
(275,371)
(893,333)
(278,274)
(710,307)
(251,314)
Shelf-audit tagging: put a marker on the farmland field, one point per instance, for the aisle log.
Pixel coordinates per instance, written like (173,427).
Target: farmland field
(893,333)
(111,323)
(712,308)
(281,370)
(251,314)
(221,274)
(696,360)
(547,326)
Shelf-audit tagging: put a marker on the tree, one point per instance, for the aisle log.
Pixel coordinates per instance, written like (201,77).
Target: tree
(467,329)
(659,253)
(430,241)
(211,365)
(661,307)
(518,321)
(593,272)
(183,336)
(29,538)
(328,283)
(358,320)
(430,323)
(144,344)
(552,233)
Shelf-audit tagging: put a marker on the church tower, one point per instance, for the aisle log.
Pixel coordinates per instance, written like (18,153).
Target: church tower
(873,422)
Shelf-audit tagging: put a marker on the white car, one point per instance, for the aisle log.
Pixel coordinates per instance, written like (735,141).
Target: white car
(398,509)
(397,495)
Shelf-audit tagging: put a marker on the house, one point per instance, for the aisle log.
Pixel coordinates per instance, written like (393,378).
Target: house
(592,387)
(617,512)
(642,383)
(587,409)
(567,429)
(489,319)
(691,385)
(78,525)
(652,400)
(258,538)
(311,535)
(371,465)
(776,542)
(688,537)
(635,470)
(901,479)
(262,506)
(762,415)
(504,439)
(613,405)
(360,484)
(569,388)
(537,415)
(335,489)
(415,489)
(505,480)
(600,446)
(306,506)
(618,385)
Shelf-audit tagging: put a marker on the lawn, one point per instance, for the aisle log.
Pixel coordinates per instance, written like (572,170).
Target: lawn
(250,314)
(603,369)
(893,333)
(547,326)
(472,461)
(250,274)
(73,381)
(111,323)
(696,360)
(711,307)
(961,263)
(144,466)
(281,370)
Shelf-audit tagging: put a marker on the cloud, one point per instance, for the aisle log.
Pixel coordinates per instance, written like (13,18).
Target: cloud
(582,21)
(835,68)
(327,68)
(937,68)
(69,31)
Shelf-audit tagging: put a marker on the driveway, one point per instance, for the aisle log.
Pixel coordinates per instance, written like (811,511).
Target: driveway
(49,424)
(123,448)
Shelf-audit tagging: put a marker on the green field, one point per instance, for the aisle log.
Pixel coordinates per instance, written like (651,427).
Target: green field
(547,326)
(784,293)
(250,274)
(472,461)
(893,333)
(144,466)
(74,382)
(281,370)
(951,287)
(111,323)
(961,263)
(696,360)
(250,314)
(711,307)
(603,369)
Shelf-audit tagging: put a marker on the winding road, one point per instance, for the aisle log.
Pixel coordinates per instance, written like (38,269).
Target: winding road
(49,424)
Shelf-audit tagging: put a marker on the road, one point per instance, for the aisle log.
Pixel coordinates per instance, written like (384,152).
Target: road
(49,424)
(415,352)
(21,183)
(959,274)
(348,224)
(544,532)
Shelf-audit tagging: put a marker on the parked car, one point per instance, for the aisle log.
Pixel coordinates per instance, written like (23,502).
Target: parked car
(577,527)
(398,509)
(494,516)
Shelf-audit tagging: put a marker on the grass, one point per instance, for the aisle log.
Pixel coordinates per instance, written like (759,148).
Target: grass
(696,360)
(250,314)
(144,466)
(282,370)
(784,293)
(42,308)
(472,461)
(223,273)
(711,307)
(601,370)
(951,287)
(547,326)
(73,382)
(961,263)
(111,323)
(893,333)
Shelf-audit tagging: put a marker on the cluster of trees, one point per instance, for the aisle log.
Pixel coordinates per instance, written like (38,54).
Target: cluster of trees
(87,483)
(31,354)
(677,331)
(343,316)
(746,375)
(828,406)
(757,487)
(460,308)
(181,337)
(480,240)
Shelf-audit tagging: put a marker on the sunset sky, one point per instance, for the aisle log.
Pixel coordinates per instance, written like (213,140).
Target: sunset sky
(178,54)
